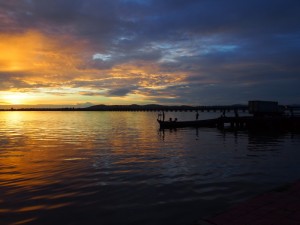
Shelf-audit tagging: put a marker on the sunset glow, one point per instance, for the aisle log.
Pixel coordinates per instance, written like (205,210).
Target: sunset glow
(15,98)
(143,52)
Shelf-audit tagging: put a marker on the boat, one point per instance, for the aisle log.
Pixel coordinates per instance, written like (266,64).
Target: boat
(192,123)
(246,122)
(266,115)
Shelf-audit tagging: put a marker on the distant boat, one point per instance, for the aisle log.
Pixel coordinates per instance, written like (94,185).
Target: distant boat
(192,123)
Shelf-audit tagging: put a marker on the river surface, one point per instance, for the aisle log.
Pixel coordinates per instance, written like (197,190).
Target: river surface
(119,168)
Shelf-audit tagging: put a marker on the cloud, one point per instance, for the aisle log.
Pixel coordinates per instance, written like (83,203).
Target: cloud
(163,50)
(121,91)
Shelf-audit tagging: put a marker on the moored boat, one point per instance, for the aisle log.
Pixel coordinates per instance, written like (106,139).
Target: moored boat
(192,123)
(246,122)
(266,115)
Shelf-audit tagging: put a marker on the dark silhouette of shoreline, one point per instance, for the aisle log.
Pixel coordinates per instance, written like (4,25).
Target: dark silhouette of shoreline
(134,107)
(149,107)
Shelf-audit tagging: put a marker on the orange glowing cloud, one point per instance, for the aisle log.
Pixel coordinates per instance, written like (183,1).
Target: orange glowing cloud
(21,52)
(147,75)
(36,68)
(33,53)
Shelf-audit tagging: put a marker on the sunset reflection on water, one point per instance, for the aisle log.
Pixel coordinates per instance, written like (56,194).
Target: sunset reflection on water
(118,167)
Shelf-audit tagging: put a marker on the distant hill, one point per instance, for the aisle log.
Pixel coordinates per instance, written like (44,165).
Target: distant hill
(136,107)
(156,107)
(133,107)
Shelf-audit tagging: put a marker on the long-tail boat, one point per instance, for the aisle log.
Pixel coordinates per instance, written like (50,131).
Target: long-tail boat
(192,123)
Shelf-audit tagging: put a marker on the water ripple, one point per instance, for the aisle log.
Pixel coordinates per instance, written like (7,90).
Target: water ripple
(118,168)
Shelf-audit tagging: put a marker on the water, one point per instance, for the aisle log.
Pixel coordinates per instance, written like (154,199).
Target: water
(118,168)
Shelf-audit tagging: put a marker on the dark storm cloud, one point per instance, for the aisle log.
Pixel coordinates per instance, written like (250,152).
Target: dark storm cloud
(224,47)
(142,21)
(119,92)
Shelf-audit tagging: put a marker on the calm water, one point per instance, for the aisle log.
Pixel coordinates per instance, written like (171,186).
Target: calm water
(118,168)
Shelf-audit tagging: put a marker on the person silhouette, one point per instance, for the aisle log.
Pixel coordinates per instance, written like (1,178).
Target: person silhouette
(236,113)
(197,115)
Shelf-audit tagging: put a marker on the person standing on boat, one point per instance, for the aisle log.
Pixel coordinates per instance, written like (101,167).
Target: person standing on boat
(224,113)
(159,116)
(236,113)
(163,116)
(197,115)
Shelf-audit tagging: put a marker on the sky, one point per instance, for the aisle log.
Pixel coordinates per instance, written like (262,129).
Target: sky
(191,52)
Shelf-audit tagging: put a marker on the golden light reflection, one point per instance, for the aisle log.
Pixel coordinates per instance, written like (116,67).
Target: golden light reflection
(42,150)
(29,147)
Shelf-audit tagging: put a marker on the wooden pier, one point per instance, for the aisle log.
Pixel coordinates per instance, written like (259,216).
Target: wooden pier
(259,123)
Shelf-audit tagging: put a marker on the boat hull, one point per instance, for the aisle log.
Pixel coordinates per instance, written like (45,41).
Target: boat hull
(254,123)
(194,123)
